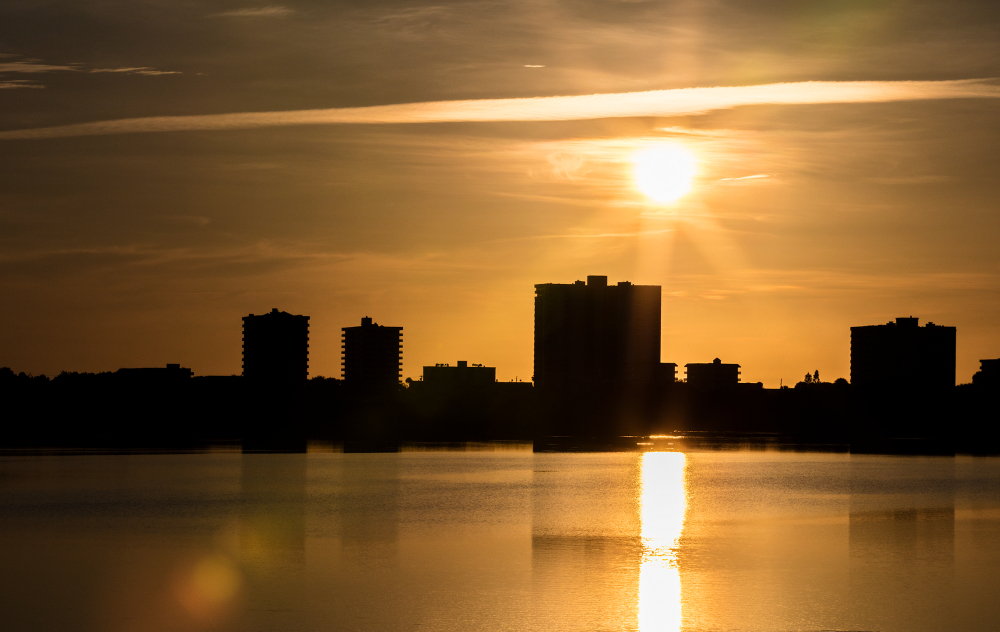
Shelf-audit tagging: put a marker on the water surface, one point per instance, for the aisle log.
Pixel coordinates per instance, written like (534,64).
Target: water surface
(505,540)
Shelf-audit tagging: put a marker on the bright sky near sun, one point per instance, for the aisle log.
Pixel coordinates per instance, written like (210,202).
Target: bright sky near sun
(664,172)
(783,171)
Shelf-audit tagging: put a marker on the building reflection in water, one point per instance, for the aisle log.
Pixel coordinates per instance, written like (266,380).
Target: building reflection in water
(902,542)
(663,503)
(273,538)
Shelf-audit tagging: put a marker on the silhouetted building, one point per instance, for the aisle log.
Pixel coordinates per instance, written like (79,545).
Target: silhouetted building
(667,373)
(276,347)
(373,357)
(460,377)
(903,354)
(988,373)
(594,334)
(172,373)
(712,375)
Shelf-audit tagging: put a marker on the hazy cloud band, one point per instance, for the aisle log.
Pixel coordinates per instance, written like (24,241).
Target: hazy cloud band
(676,102)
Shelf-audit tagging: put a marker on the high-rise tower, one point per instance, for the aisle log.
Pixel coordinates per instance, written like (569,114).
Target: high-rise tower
(592,334)
(373,357)
(276,347)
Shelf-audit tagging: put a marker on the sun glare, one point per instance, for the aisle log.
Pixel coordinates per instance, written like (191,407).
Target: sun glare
(664,173)
(664,501)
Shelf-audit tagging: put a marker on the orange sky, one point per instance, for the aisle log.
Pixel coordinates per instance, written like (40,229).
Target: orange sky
(813,207)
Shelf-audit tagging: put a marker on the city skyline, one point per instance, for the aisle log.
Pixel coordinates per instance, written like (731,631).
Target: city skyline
(286,348)
(782,173)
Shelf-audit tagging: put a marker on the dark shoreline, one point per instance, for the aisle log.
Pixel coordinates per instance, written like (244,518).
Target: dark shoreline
(685,442)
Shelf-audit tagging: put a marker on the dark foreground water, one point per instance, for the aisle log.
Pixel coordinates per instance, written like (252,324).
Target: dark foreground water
(506,540)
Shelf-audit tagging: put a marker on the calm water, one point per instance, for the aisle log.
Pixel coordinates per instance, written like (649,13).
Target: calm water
(500,541)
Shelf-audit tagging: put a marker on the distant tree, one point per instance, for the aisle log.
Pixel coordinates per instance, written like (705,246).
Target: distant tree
(816,377)
(808,379)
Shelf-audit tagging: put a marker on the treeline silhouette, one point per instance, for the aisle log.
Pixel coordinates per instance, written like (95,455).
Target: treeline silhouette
(146,409)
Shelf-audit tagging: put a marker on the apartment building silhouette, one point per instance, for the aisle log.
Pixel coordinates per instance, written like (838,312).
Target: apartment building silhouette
(593,334)
(372,357)
(902,354)
(276,347)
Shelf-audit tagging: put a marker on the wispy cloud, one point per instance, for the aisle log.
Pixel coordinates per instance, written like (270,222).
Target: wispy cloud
(413,14)
(757,178)
(926,179)
(255,12)
(139,70)
(659,103)
(152,72)
(35,66)
(117,69)
(14,84)
(581,235)
(31,66)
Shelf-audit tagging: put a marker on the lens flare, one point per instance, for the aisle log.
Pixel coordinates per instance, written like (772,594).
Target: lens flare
(664,173)
(209,586)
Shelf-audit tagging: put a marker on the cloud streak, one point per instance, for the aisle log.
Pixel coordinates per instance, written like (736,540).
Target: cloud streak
(260,12)
(32,66)
(14,84)
(656,103)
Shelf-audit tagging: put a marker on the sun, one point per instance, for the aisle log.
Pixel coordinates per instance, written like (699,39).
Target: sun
(664,173)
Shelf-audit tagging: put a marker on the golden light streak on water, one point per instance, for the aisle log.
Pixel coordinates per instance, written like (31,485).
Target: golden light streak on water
(663,500)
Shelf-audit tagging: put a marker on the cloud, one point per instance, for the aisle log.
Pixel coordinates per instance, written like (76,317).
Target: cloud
(655,103)
(153,73)
(139,70)
(745,180)
(414,14)
(928,179)
(258,12)
(534,65)
(31,66)
(14,84)
(119,69)
(610,235)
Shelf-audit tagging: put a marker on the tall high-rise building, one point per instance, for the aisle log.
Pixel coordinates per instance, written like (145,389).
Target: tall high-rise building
(595,334)
(373,356)
(903,354)
(276,347)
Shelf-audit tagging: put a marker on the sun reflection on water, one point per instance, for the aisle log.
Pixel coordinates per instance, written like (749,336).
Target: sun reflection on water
(663,500)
